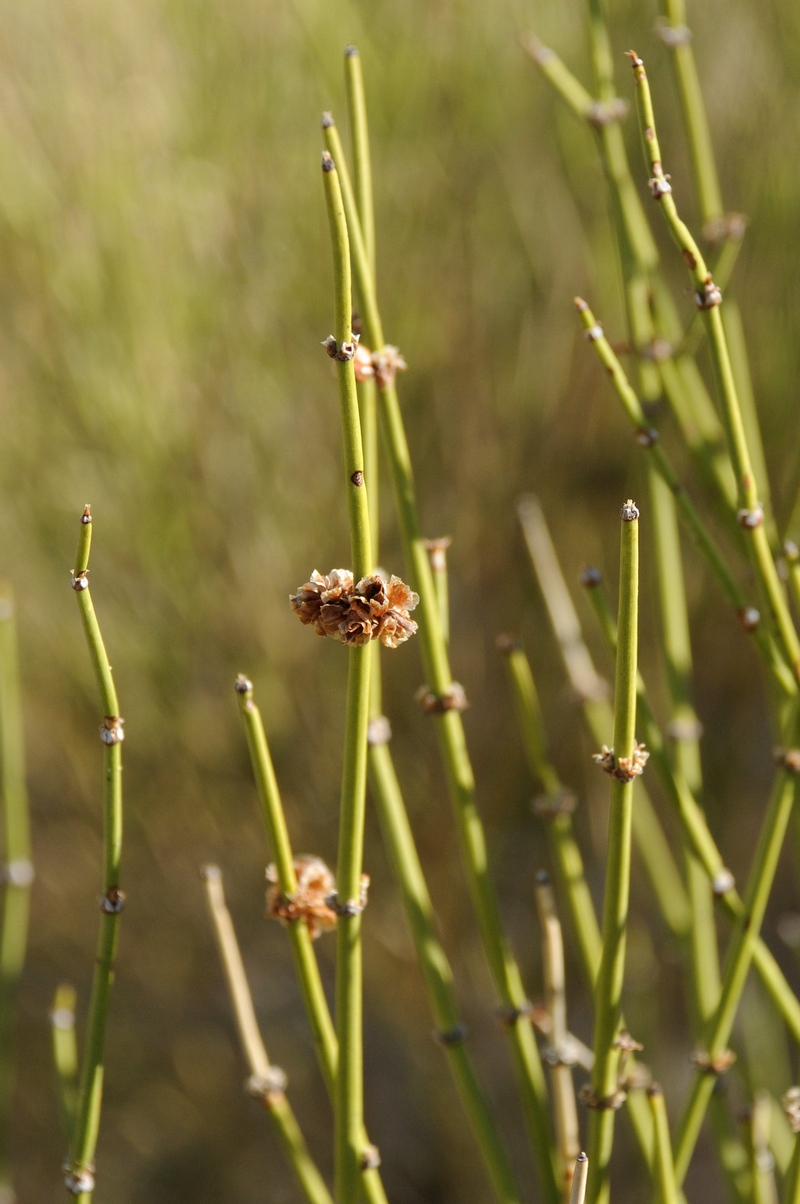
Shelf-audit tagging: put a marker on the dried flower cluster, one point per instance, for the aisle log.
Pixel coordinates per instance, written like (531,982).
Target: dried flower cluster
(627,768)
(382,365)
(315,885)
(315,898)
(791,1106)
(375,609)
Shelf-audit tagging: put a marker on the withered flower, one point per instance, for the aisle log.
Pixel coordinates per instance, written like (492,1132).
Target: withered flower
(315,885)
(387,363)
(373,609)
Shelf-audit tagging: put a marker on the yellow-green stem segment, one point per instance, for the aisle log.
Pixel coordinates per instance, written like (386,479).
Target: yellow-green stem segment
(708,299)
(305,960)
(18,866)
(739,955)
(608,989)
(80,1165)
(450,729)
(266,1082)
(349,1096)
(696,832)
(647,438)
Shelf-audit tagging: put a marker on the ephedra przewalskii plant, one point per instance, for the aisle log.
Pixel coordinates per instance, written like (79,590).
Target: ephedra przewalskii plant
(354,606)
(86,1120)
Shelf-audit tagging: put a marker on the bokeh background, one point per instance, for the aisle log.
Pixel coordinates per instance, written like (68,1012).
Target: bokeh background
(164,285)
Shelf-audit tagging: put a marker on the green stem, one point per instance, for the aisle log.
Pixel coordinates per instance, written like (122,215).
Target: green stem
(708,299)
(715,227)
(349,1107)
(683,384)
(65,1051)
(266,1083)
(18,869)
(450,730)
(393,817)
(564,849)
(651,843)
(305,960)
(362,160)
(648,440)
(608,990)
(791,1187)
(738,959)
(80,1166)
(677,648)
(694,826)
(435,967)
(664,1167)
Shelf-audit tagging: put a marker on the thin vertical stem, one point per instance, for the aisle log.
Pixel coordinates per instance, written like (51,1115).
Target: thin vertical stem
(739,957)
(435,966)
(80,1166)
(647,438)
(65,1051)
(267,1083)
(18,868)
(362,160)
(305,960)
(450,729)
(685,729)
(564,849)
(651,843)
(693,822)
(664,1167)
(608,991)
(579,1179)
(563,1089)
(349,1111)
(709,299)
(791,1187)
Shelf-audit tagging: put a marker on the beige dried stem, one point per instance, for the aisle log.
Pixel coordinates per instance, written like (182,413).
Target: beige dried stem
(559,1057)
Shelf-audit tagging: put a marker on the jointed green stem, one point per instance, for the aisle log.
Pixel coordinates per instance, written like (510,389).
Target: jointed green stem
(80,1172)
(715,226)
(608,990)
(675,641)
(435,967)
(564,850)
(682,382)
(695,829)
(651,843)
(18,868)
(388,797)
(449,726)
(648,439)
(667,1190)
(266,1082)
(65,1051)
(349,1109)
(306,967)
(791,1187)
(738,958)
(708,300)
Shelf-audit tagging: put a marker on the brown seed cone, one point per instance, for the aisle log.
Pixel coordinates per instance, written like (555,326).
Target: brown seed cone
(315,885)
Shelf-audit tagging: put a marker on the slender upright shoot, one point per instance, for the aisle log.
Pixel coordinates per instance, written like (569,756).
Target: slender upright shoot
(65,1051)
(80,1166)
(349,1079)
(624,762)
(267,1082)
(17,868)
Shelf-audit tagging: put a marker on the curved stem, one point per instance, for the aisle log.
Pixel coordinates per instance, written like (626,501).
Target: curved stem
(90,1096)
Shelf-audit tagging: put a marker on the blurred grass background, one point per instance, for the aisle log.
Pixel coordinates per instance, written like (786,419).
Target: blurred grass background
(164,286)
